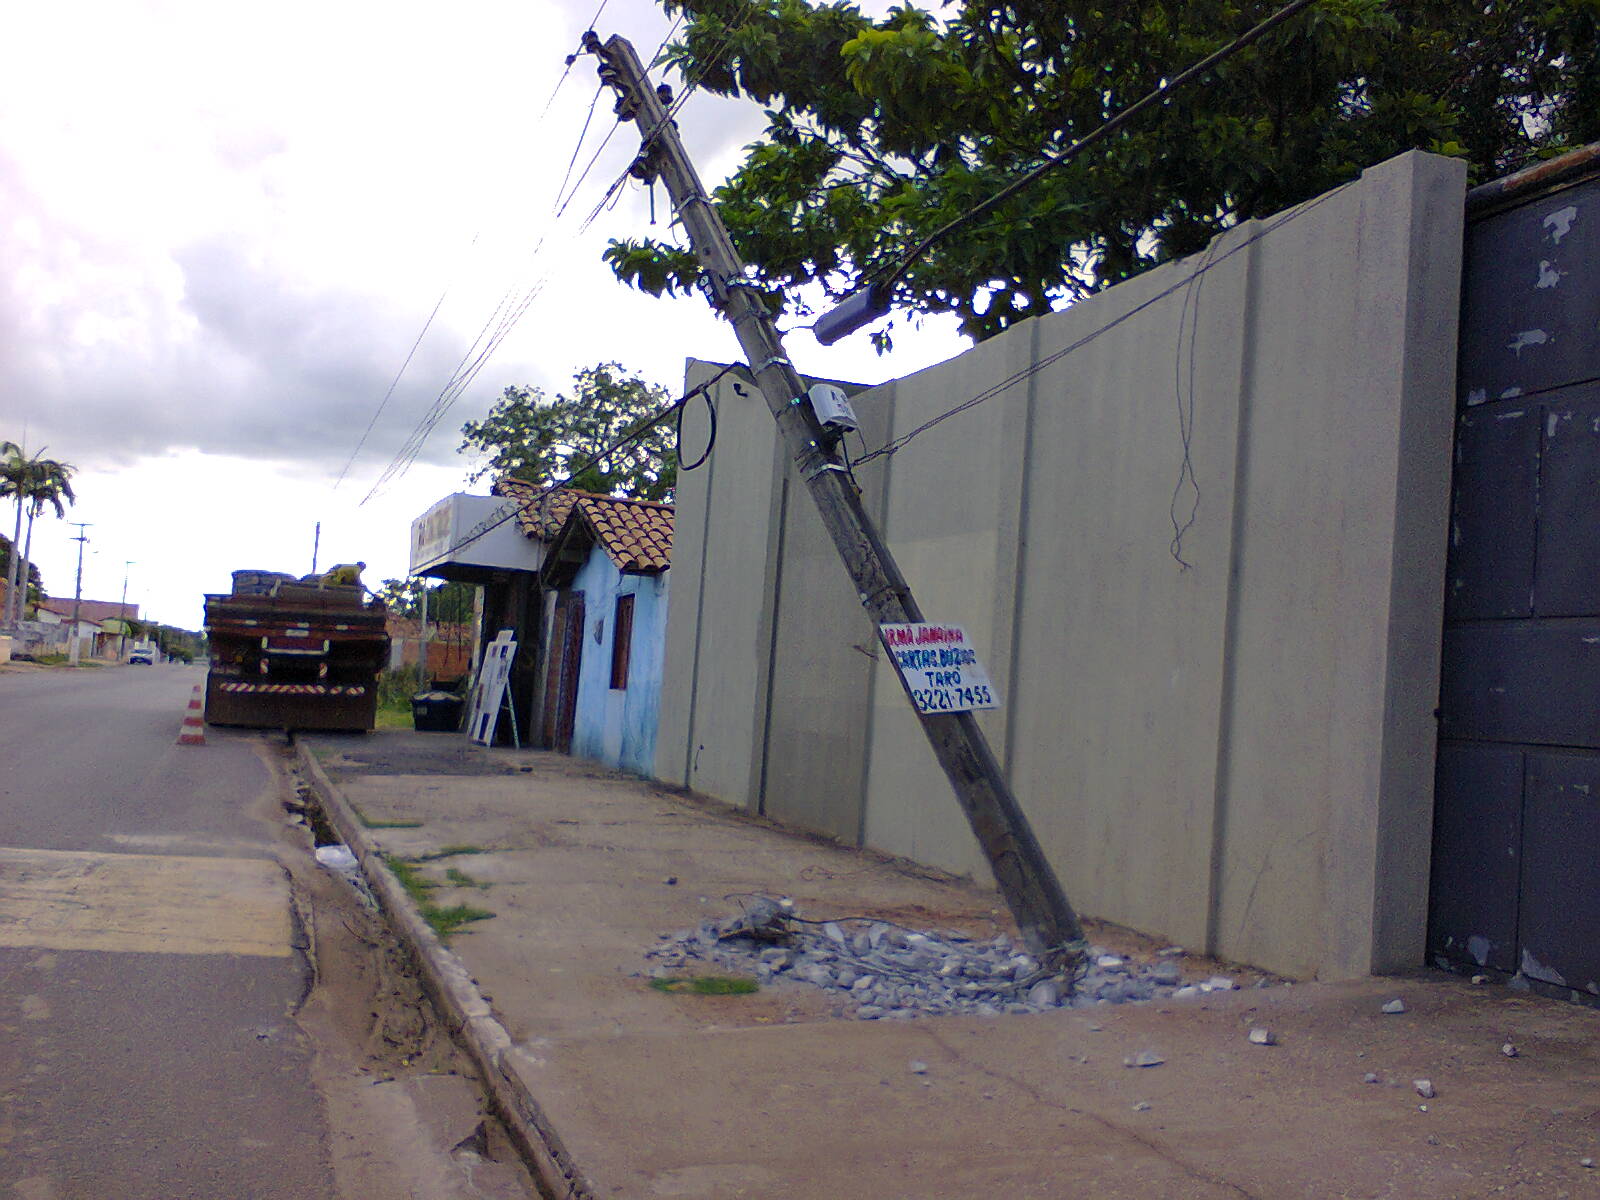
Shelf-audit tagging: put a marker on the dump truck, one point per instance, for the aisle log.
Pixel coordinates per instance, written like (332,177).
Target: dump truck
(294,654)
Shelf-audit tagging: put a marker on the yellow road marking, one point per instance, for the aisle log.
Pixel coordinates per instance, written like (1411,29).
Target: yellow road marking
(143,903)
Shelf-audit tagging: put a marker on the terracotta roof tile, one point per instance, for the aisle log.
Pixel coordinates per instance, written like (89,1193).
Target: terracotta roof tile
(636,534)
(543,513)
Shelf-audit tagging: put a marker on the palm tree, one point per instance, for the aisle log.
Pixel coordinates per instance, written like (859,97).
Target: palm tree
(11,472)
(34,482)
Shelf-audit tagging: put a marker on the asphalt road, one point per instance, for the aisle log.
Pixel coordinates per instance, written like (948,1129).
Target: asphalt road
(147,961)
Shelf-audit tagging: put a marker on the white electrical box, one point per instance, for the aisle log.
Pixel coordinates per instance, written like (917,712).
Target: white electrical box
(832,408)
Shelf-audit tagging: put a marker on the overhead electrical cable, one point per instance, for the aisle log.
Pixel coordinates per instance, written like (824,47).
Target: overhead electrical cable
(513,306)
(873,301)
(394,383)
(571,59)
(1051,162)
(633,435)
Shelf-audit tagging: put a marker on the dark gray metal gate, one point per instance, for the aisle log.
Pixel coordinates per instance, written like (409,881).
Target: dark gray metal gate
(1516,874)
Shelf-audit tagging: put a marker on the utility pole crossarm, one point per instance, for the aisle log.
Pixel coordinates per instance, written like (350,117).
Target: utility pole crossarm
(1045,919)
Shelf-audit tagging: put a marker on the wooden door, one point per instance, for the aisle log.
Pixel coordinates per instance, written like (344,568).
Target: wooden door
(571,659)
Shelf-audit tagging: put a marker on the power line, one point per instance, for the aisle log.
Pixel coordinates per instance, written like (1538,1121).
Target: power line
(874,300)
(1051,162)
(577,149)
(571,58)
(503,319)
(510,311)
(674,106)
(395,382)
(492,523)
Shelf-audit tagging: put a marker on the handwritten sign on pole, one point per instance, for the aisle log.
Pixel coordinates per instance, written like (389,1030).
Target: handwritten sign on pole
(940,669)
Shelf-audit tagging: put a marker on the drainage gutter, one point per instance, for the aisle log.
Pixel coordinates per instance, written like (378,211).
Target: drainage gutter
(504,1068)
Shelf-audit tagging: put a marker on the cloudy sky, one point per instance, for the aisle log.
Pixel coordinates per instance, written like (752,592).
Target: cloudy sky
(223,227)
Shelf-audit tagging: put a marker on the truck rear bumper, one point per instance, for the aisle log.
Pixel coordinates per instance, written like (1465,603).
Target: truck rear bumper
(259,705)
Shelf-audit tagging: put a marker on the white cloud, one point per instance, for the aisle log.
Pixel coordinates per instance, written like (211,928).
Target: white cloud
(224,226)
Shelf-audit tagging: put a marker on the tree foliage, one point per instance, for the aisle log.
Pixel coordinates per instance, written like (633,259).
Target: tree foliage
(544,440)
(447,602)
(881,131)
(36,590)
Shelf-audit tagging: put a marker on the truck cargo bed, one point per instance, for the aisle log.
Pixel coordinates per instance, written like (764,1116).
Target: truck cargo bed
(301,658)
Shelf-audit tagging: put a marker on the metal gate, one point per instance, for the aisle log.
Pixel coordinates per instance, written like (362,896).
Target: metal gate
(1516,854)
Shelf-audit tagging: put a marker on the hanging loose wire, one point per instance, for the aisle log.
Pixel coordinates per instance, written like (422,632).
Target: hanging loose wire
(518,505)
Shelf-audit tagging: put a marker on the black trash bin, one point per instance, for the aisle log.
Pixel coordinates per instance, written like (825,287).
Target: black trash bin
(436,712)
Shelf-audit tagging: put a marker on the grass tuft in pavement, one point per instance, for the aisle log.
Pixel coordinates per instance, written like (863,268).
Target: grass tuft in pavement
(396,823)
(705,985)
(450,851)
(443,921)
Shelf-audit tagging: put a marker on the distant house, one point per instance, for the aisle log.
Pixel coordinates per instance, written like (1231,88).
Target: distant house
(607,567)
(100,623)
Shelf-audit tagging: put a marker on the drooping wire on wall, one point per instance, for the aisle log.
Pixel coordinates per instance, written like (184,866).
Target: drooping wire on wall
(894,445)
(1183,391)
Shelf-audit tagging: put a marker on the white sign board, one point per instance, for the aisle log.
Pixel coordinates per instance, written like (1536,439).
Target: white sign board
(491,689)
(472,531)
(939,668)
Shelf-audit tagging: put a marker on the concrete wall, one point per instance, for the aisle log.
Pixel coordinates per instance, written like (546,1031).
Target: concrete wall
(617,726)
(1223,737)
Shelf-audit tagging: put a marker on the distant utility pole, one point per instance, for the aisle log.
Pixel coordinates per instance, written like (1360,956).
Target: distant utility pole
(1045,919)
(75,646)
(316,545)
(122,612)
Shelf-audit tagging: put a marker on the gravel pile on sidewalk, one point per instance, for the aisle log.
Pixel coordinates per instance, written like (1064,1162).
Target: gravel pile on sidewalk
(889,971)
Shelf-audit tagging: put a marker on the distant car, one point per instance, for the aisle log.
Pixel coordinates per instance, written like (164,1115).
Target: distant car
(142,654)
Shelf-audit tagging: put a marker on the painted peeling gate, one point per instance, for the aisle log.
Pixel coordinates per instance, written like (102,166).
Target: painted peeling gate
(1516,875)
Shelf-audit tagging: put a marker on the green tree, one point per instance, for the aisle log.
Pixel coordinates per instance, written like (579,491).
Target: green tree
(36,590)
(880,131)
(32,482)
(543,440)
(447,602)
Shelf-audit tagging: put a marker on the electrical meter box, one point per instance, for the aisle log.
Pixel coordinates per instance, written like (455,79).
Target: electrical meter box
(832,408)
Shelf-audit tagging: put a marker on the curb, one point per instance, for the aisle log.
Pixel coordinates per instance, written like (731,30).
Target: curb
(504,1068)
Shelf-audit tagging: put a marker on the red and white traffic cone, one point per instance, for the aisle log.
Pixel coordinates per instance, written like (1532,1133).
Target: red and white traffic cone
(193,732)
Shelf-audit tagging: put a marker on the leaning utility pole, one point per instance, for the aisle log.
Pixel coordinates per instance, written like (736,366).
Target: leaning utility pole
(1044,917)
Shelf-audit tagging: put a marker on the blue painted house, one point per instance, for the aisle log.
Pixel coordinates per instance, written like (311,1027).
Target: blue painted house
(607,567)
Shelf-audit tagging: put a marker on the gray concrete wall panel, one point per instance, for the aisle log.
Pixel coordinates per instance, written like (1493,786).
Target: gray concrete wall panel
(725,630)
(950,517)
(1200,545)
(1117,711)
(820,687)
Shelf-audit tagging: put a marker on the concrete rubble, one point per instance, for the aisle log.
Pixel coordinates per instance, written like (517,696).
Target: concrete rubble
(885,971)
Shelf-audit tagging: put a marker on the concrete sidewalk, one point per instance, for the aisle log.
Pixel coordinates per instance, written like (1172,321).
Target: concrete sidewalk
(625,1091)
